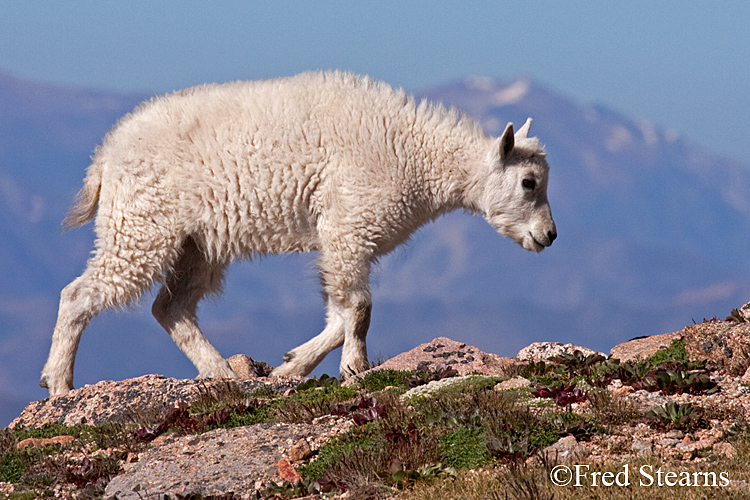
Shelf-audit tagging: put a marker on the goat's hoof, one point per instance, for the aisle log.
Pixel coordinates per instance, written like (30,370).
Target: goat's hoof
(221,373)
(52,388)
(286,370)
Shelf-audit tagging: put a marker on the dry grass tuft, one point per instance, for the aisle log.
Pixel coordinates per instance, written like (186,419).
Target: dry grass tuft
(612,410)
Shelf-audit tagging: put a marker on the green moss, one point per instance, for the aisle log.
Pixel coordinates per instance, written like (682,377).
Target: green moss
(305,405)
(476,383)
(542,436)
(464,448)
(48,431)
(11,467)
(378,380)
(547,380)
(24,495)
(251,416)
(675,352)
(328,394)
(334,450)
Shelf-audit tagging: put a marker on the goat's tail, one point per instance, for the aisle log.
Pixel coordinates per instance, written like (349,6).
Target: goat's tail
(86,201)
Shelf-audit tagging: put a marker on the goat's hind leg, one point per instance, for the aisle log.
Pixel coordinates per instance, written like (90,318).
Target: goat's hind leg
(79,303)
(98,288)
(177,302)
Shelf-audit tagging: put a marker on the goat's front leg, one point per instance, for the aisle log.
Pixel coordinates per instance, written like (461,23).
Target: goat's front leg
(347,288)
(345,326)
(303,359)
(354,354)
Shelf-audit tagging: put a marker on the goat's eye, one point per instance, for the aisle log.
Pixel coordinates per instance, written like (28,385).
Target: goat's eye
(529,184)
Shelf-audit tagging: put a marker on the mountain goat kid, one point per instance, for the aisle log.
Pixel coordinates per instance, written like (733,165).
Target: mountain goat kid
(332,162)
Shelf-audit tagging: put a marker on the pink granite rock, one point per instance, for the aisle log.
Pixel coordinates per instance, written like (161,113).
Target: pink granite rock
(247,368)
(643,348)
(725,343)
(444,352)
(121,401)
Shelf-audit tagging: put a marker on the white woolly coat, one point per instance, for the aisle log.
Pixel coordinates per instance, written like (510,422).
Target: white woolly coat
(264,167)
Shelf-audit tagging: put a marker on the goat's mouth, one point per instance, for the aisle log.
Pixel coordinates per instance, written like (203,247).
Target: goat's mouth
(528,241)
(534,244)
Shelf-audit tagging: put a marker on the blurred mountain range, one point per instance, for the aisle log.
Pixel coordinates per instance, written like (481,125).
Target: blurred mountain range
(653,234)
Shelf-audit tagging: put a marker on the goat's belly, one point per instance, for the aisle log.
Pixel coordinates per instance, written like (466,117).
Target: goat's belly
(276,240)
(235,235)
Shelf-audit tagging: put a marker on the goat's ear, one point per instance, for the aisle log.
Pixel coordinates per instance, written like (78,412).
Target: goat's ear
(507,142)
(523,132)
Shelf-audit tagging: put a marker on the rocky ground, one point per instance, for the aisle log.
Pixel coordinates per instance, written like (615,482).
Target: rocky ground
(240,461)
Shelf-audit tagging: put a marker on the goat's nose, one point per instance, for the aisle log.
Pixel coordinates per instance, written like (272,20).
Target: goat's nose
(552,235)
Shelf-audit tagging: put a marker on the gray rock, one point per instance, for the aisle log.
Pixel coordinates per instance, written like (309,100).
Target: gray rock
(642,446)
(218,462)
(646,401)
(667,442)
(675,434)
(566,450)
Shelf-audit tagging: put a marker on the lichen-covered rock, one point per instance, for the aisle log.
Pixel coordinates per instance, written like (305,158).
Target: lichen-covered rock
(745,311)
(435,386)
(444,352)
(725,343)
(109,401)
(542,351)
(236,462)
(219,462)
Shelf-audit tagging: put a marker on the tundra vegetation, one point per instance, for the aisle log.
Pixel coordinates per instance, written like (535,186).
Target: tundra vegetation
(467,440)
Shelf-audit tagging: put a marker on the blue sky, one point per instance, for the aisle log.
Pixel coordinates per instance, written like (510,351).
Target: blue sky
(680,65)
